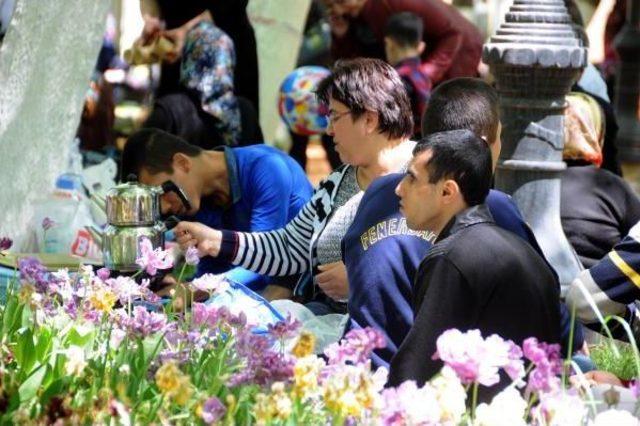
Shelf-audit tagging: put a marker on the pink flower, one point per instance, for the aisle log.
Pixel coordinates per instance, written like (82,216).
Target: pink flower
(284,329)
(548,365)
(103,273)
(475,359)
(151,260)
(409,405)
(634,386)
(356,347)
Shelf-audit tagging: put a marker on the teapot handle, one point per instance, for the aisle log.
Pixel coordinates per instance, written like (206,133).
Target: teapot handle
(170,186)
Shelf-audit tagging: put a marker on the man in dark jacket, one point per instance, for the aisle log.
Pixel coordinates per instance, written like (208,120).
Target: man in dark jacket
(382,255)
(477,275)
(454,44)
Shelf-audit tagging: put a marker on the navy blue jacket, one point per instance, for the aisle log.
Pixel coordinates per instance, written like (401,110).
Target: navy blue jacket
(268,188)
(382,256)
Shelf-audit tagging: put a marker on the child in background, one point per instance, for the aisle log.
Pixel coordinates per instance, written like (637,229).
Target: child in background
(403,46)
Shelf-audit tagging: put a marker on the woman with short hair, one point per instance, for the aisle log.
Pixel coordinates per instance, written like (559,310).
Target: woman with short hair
(370,121)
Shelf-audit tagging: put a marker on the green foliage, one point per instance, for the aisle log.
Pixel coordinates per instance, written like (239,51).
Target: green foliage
(623,366)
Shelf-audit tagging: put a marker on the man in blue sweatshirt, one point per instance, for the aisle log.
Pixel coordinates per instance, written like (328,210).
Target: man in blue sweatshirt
(382,254)
(253,188)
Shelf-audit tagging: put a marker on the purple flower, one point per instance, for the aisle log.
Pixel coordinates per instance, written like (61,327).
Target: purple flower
(211,283)
(5,243)
(31,270)
(191,256)
(144,323)
(548,365)
(48,223)
(262,365)
(103,274)
(213,410)
(284,329)
(151,260)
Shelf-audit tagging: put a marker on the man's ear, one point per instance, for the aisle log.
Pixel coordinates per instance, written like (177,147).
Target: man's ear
(450,191)
(182,162)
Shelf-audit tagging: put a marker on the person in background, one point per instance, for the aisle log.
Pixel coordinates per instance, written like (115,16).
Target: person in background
(174,19)
(254,188)
(454,45)
(205,111)
(597,207)
(403,46)
(477,275)
(370,122)
(382,255)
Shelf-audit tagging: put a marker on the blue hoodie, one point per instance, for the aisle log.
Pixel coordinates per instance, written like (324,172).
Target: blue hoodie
(268,188)
(382,256)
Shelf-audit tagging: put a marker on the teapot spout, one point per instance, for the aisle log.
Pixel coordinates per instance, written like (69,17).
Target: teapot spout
(97,235)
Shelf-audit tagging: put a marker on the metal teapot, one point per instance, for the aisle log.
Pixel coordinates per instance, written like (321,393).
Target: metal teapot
(133,212)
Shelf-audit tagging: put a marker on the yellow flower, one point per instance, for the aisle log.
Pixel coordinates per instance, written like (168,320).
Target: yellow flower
(305,345)
(350,393)
(305,376)
(275,406)
(173,383)
(103,299)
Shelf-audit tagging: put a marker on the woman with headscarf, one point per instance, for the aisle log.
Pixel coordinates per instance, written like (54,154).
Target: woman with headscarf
(205,111)
(597,207)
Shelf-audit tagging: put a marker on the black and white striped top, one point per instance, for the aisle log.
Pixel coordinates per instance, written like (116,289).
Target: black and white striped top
(292,249)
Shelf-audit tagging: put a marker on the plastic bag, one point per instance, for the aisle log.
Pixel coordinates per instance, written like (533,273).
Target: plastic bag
(328,329)
(59,224)
(238,298)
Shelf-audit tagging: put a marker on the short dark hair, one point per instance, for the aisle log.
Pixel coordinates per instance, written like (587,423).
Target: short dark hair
(366,84)
(463,103)
(405,28)
(153,150)
(461,156)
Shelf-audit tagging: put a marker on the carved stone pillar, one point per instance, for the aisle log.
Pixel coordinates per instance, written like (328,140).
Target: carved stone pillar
(535,58)
(627,96)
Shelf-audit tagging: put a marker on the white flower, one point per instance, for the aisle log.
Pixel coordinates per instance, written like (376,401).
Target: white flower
(560,408)
(124,369)
(75,360)
(211,283)
(450,394)
(615,417)
(116,338)
(506,409)
(125,288)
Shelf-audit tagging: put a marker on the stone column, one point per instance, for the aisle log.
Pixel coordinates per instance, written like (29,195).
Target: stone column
(627,96)
(535,58)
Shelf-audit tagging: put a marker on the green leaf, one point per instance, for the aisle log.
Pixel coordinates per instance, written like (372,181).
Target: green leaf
(81,336)
(30,387)
(25,352)
(44,343)
(55,388)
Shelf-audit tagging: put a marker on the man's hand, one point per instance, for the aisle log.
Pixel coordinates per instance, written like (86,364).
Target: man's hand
(276,292)
(333,280)
(194,234)
(152,28)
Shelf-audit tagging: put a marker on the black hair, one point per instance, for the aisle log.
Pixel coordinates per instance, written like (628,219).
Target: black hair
(405,28)
(461,156)
(463,103)
(153,150)
(366,84)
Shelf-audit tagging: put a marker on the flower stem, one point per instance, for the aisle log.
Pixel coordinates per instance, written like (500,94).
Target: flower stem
(474,400)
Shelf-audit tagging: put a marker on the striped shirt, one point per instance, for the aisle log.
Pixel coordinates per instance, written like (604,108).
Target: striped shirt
(612,284)
(290,250)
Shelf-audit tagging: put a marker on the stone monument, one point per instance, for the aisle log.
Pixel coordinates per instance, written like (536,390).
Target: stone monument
(535,57)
